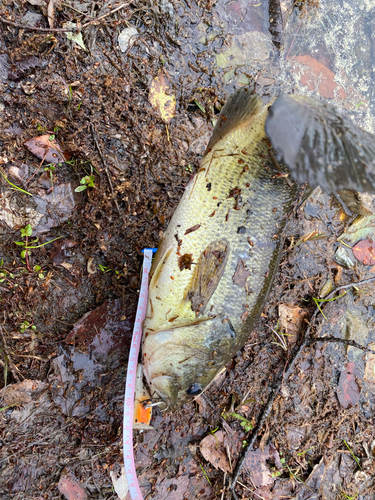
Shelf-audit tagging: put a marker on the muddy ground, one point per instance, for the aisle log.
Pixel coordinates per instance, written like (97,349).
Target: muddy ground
(62,367)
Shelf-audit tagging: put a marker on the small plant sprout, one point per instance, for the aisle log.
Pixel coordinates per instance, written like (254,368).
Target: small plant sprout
(319,301)
(200,106)
(205,473)
(26,232)
(355,458)
(104,269)
(87,181)
(25,325)
(50,168)
(281,337)
(348,497)
(246,424)
(189,168)
(14,187)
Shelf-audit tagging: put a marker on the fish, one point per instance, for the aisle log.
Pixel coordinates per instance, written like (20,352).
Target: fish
(215,266)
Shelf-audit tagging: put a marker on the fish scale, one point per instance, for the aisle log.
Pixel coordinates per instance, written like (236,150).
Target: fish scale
(229,222)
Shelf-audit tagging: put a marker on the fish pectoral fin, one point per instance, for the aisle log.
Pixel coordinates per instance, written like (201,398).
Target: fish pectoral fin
(207,274)
(321,145)
(160,260)
(238,112)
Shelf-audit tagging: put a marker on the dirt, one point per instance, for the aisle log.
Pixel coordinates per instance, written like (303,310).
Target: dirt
(67,307)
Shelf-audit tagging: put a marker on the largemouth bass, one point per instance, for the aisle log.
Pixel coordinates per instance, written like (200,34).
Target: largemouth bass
(216,264)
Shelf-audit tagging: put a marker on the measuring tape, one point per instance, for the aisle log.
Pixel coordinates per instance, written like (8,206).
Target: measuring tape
(131,474)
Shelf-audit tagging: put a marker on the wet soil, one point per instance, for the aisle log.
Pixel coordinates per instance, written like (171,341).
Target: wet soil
(62,368)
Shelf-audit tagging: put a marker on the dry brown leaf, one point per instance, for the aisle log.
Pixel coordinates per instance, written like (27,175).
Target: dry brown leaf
(364,251)
(291,320)
(348,391)
(212,449)
(70,487)
(159,98)
(264,439)
(256,463)
(51,13)
(23,392)
(46,148)
(369,375)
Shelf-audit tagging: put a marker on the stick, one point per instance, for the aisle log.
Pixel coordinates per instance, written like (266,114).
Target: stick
(105,167)
(63,30)
(12,366)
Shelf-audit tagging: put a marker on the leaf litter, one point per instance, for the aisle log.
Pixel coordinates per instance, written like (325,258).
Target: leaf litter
(161,98)
(149,177)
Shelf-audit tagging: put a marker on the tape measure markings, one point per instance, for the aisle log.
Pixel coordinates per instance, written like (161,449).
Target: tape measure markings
(131,474)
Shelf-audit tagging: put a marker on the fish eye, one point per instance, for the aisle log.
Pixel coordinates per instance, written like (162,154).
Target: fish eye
(194,389)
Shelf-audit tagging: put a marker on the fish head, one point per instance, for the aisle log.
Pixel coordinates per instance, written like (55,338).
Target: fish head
(179,364)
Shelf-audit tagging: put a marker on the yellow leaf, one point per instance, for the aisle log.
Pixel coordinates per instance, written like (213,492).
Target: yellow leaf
(159,99)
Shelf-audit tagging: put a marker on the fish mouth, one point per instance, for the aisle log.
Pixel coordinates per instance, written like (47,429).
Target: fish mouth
(179,364)
(163,387)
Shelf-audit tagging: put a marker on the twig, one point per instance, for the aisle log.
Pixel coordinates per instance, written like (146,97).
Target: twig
(30,356)
(351,343)
(26,255)
(75,10)
(63,30)
(32,28)
(36,171)
(305,342)
(122,6)
(105,168)
(294,39)
(12,366)
(225,478)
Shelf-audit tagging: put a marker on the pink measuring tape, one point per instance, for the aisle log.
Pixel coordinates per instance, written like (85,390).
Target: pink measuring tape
(131,474)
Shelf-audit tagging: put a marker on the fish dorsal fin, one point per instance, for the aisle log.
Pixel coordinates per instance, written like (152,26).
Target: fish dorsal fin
(207,274)
(321,145)
(238,112)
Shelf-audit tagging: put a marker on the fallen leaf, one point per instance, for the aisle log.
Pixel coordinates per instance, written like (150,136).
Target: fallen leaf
(46,148)
(160,100)
(291,320)
(127,38)
(364,251)
(74,36)
(67,266)
(256,465)
(212,449)
(348,392)
(120,483)
(23,392)
(264,439)
(51,13)
(316,76)
(342,258)
(4,67)
(369,375)
(70,487)
(19,68)
(60,250)
(264,81)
